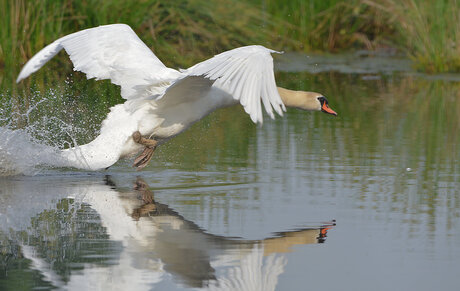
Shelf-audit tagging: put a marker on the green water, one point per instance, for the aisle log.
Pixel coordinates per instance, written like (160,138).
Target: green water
(369,200)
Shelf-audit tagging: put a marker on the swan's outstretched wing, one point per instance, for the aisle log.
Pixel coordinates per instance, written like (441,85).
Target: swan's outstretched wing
(246,73)
(112,52)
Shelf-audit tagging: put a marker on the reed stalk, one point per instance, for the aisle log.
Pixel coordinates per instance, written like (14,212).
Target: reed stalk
(182,32)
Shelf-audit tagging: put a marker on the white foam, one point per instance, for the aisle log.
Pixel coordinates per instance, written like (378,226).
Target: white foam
(21,154)
(35,146)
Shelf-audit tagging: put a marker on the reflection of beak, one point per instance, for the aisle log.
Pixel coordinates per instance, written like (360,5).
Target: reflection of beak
(325,108)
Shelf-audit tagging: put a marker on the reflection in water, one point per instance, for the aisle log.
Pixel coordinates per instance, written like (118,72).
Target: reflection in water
(386,168)
(79,233)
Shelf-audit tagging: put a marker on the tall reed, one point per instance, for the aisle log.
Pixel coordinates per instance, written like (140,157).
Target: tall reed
(180,32)
(429,31)
(330,25)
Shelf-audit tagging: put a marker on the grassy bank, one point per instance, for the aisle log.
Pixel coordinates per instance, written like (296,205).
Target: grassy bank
(331,25)
(428,31)
(182,32)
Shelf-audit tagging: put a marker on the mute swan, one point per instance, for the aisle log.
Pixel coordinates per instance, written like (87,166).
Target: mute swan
(162,102)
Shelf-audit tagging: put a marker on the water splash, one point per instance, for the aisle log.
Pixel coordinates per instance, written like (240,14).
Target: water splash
(20,153)
(48,128)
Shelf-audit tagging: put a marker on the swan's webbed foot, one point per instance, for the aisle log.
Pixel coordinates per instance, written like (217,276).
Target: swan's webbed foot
(141,186)
(144,158)
(150,145)
(149,205)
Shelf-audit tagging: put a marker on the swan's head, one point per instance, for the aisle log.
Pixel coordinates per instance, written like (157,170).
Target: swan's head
(311,101)
(324,105)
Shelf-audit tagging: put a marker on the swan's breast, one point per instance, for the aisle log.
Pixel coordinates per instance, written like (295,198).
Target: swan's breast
(165,122)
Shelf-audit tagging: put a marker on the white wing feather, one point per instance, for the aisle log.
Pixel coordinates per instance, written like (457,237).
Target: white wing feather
(115,52)
(246,73)
(112,52)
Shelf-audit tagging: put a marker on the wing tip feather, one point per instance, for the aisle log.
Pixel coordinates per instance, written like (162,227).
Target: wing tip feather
(20,77)
(236,79)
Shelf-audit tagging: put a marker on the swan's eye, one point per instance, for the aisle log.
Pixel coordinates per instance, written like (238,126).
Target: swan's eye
(322,100)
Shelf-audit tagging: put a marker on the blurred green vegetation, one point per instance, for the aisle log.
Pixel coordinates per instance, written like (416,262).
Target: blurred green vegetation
(428,31)
(180,32)
(183,32)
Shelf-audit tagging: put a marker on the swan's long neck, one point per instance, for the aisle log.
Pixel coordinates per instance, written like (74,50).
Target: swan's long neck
(300,99)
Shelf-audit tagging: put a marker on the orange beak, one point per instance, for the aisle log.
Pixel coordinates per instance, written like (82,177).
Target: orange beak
(325,108)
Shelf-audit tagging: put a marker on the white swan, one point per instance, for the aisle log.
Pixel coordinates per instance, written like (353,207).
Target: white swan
(162,102)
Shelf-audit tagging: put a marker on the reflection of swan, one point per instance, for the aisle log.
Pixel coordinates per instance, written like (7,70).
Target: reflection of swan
(163,102)
(146,240)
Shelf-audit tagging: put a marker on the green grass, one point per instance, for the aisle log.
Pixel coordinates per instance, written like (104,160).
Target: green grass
(428,30)
(182,32)
(330,25)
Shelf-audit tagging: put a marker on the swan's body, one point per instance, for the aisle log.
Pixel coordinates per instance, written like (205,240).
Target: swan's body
(163,102)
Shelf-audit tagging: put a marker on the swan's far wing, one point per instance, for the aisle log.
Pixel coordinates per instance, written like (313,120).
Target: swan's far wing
(246,73)
(112,52)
